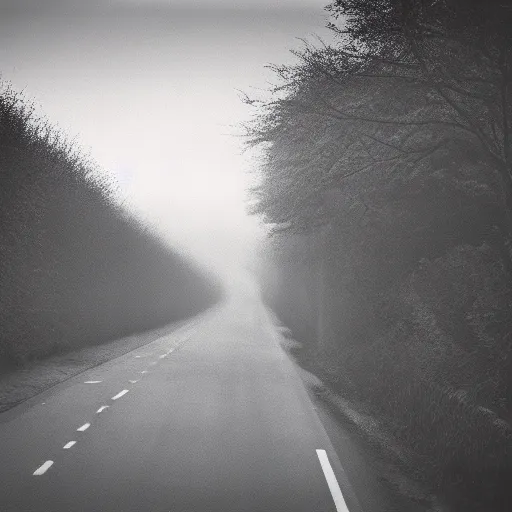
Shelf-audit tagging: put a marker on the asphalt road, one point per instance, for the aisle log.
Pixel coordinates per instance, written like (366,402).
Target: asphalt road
(211,418)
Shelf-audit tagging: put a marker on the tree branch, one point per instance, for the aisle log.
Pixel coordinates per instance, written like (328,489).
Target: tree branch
(343,116)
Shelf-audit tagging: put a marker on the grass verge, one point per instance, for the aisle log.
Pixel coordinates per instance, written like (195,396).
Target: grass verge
(394,465)
(23,383)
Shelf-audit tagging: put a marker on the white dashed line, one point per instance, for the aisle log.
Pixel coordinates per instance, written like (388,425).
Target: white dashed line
(138,357)
(102,408)
(337,496)
(84,427)
(92,381)
(144,371)
(67,446)
(42,470)
(133,381)
(119,395)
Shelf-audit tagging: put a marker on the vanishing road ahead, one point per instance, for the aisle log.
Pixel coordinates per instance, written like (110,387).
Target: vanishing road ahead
(211,418)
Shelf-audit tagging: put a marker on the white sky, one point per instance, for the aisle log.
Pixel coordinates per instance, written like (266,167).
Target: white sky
(152,93)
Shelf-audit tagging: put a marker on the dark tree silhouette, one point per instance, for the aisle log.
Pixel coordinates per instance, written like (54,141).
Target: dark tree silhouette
(385,179)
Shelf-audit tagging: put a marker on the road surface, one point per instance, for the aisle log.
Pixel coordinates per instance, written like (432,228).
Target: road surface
(211,418)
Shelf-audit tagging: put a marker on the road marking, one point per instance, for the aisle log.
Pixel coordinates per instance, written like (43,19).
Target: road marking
(42,470)
(334,487)
(119,395)
(92,381)
(67,446)
(84,427)
(162,356)
(138,357)
(102,408)
(133,381)
(144,371)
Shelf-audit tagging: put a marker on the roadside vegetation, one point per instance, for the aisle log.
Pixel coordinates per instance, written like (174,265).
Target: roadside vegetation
(75,268)
(386,182)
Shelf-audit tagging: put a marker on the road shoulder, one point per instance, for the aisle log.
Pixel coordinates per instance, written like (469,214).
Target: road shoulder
(373,471)
(24,383)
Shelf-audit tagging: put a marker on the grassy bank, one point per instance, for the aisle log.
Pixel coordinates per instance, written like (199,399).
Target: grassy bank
(75,269)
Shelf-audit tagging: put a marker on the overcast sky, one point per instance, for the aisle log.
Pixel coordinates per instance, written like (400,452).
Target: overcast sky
(47,5)
(150,87)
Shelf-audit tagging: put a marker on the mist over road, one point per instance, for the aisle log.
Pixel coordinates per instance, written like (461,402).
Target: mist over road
(211,418)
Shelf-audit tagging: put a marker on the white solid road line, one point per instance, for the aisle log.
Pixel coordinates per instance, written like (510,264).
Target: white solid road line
(84,427)
(334,487)
(92,381)
(102,408)
(67,446)
(119,395)
(42,470)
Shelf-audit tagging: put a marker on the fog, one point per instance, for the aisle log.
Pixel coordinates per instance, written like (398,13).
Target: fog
(150,89)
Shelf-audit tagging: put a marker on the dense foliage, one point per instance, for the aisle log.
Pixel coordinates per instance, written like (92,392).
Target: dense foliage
(386,178)
(74,268)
